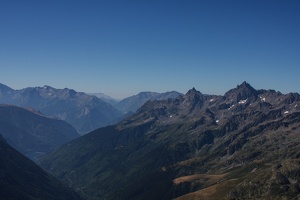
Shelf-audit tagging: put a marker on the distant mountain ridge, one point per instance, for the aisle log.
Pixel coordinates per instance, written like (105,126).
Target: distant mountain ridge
(105,98)
(31,133)
(82,111)
(242,145)
(133,103)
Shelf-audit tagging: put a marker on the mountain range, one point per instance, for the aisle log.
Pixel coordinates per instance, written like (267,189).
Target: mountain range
(84,112)
(240,145)
(21,178)
(32,133)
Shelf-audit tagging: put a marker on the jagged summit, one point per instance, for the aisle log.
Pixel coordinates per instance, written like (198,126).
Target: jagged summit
(192,92)
(193,98)
(241,92)
(244,83)
(246,86)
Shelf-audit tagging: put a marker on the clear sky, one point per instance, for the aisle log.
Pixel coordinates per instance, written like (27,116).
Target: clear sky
(122,47)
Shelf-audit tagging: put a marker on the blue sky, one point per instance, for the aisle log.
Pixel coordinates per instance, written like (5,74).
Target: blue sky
(122,47)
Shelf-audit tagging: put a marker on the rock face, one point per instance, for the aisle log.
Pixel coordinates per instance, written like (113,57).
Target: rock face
(32,133)
(243,145)
(133,103)
(21,178)
(82,111)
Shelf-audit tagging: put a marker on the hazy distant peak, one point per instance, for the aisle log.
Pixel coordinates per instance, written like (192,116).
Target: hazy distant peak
(100,95)
(4,90)
(2,86)
(146,94)
(105,98)
(133,103)
(168,95)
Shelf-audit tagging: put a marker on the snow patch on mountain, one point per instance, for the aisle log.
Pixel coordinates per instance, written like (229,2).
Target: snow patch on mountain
(243,101)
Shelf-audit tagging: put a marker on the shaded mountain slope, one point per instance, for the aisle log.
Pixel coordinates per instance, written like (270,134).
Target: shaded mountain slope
(32,133)
(21,178)
(194,146)
(84,112)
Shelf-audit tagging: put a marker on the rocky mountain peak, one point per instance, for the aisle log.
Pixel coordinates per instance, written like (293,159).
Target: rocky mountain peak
(193,92)
(193,100)
(244,83)
(245,86)
(241,92)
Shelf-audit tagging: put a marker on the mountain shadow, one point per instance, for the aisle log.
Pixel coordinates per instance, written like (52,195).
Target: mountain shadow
(32,133)
(21,178)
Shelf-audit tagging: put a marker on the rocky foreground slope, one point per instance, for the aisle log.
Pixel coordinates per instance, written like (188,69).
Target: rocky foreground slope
(21,178)
(242,145)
